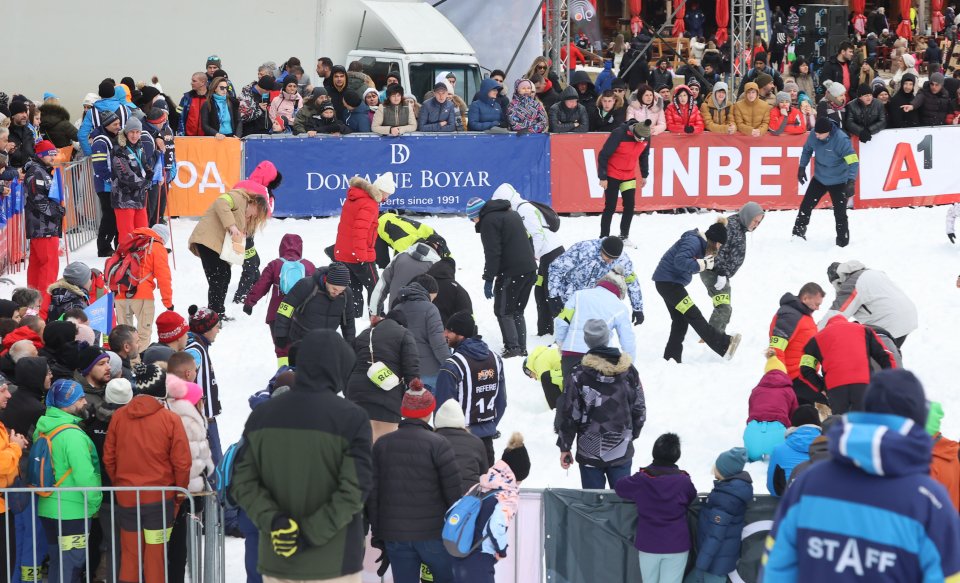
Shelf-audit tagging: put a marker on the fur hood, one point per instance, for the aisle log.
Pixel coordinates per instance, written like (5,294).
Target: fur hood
(368,187)
(605,367)
(64,284)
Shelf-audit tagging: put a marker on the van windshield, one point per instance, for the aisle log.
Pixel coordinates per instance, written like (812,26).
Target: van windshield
(423,77)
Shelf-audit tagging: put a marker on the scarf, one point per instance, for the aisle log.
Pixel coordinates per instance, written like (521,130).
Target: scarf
(223,111)
(526,112)
(500,478)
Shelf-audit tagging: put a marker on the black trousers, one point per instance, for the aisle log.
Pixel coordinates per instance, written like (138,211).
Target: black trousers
(567,362)
(250,273)
(177,546)
(541,293)
(805,393)
(551,392)
(510,297)
(683,314)
(218,278)
(107,231)
(610,196)
(363,276)
(488,445)
(846,398)
(157,203)
(838,197)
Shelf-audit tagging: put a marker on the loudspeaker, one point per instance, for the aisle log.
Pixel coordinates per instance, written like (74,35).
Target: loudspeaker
(823,19)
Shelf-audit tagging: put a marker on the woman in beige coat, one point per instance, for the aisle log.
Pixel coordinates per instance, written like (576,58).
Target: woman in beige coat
(237,212)
(394,117)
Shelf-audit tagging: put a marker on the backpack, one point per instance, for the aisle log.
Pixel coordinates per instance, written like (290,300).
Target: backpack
(548,216)
(40,471)
(223,474)
(123,270)
(290,273)
(460,523)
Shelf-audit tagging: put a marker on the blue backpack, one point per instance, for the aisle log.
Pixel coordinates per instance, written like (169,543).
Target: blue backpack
(40,472)
(223,474)
(460,523)
(290,274)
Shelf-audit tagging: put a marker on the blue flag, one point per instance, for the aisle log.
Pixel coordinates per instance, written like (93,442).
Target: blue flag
(56,187)
(100,314)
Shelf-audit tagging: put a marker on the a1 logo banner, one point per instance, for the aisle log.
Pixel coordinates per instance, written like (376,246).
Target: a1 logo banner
(918,164)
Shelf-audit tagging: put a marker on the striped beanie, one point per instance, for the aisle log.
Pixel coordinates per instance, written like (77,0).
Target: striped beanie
(473,207)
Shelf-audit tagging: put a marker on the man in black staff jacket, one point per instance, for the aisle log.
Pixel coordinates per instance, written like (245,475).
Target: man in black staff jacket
(510,268)
(322,301)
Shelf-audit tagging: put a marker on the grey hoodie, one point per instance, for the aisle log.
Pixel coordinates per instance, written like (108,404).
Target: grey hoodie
(402,270)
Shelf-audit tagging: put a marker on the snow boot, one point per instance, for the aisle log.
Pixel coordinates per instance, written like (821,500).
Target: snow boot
(732,348)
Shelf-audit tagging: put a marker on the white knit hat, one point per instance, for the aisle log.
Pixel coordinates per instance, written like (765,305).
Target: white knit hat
(385,183)
(118,392)
(449,415)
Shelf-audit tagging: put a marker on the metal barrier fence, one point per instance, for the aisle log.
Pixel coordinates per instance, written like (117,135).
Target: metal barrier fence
(81,202)
(13,245)
(177,520)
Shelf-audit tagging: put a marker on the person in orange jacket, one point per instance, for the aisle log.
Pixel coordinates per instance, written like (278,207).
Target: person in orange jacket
(945,464)
(146,445)
(138,311)
(12,445)
(786,119)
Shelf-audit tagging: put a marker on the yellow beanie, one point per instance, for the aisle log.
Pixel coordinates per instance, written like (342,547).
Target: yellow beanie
(774,363)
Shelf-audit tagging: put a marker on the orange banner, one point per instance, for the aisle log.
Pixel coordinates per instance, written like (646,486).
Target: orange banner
(206,168)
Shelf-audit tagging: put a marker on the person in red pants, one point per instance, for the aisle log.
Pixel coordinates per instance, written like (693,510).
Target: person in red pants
(132,163)
(44,221)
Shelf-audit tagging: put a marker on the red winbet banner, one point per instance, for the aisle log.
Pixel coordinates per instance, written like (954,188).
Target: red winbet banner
(707,171)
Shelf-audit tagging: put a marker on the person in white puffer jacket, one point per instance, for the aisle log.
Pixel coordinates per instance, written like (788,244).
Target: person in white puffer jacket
(871,298)
(546,248)
(182,399)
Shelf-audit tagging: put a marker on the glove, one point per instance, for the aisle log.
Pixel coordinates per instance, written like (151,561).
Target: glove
(384,559)
(488,289)
(865,135)
(637,317)
(851,189)
(170,309)
(285,536)
(247,309)
(688,129)
(709,260)
(802,175)
(952,237)
(721,283)
(702,264)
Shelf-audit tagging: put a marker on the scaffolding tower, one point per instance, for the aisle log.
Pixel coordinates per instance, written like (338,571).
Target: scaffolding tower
(741,39)
(557,35)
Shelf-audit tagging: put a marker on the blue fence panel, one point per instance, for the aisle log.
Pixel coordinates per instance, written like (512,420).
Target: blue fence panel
(434,173)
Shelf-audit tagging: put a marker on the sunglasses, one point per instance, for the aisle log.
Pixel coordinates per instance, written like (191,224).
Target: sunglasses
(541,67)
(221,88)
(619,90)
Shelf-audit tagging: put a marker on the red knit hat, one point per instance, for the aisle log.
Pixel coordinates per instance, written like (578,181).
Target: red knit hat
(171,326)
(202,320)
(417,404)
(43,147)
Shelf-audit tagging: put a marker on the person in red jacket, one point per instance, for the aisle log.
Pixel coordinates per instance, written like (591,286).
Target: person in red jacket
(790,330)
(836,362)
(264,180)
(357,234)
(617,170)
(277,275)
(683,115)
(786,119)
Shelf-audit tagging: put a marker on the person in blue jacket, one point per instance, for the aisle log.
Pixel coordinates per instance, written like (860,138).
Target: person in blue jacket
(721,519)
(693,253)
(604,81)
(113,99)
(103,143)
(835,170)
(356,113)
(805,427)
(485,112)
(438,114)
(871,512)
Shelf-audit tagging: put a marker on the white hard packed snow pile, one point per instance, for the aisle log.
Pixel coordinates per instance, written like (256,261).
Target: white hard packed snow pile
(704,399)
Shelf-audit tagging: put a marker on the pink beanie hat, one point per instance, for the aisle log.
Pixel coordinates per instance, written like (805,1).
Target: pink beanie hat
(176,387)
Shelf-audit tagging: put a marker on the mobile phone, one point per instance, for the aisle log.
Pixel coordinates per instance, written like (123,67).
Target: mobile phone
(264,98)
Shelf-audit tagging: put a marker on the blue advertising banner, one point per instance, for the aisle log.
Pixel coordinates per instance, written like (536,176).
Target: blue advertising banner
(761,19)
(433,174)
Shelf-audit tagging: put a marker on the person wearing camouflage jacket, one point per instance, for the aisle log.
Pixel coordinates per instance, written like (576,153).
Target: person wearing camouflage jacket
(582,266)
(728,262)
(43,218)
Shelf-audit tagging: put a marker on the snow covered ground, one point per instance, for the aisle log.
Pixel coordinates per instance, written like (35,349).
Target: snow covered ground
(704,400)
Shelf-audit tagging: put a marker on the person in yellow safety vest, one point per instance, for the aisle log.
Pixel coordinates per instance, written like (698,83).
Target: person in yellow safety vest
(397,233)
(544,364)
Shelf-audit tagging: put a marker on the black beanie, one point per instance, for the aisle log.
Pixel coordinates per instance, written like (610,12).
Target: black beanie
(805,415)
(717,233)
(351,98)
(462,324)
(105,90)
(666,449)
(823,125)
(267,83)
(427,282)
(517,457)
(612,247)
(864,89)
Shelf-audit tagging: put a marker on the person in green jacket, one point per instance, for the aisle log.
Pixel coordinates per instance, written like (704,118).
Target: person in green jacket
(66,515)
(305,470)
(544,364)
